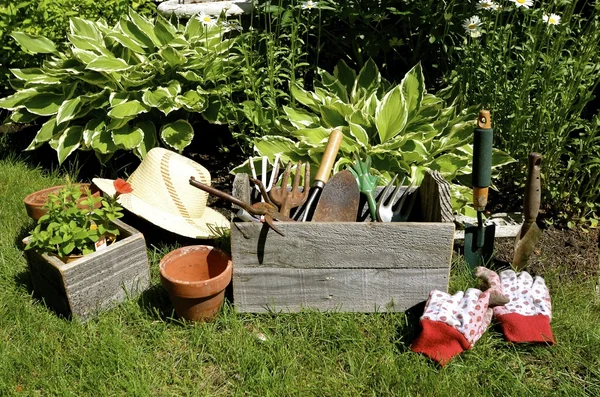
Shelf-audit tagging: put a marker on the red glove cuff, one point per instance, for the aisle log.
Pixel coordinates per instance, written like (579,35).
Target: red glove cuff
(518,328)
(439,341)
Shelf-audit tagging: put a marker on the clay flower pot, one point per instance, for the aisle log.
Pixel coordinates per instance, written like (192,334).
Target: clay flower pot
(36,200)
(195,278)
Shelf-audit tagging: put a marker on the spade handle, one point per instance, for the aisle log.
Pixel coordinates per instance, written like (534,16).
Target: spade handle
(531,201)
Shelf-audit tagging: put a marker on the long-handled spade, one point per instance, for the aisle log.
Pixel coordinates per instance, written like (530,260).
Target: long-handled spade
(479,239)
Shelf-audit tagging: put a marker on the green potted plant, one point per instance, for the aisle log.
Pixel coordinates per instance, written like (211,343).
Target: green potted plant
(81,257)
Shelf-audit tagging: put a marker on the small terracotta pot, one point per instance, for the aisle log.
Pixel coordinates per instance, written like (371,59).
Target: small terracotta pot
(35,202)
(195,278)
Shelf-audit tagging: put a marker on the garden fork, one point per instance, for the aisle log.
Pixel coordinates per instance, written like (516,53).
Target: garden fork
(286,199)
(266,181)
(386,201)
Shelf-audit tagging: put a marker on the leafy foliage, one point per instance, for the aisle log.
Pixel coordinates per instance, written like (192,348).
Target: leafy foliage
(114,86)
(540,81)
(50,18)
(71,227)
(401,127)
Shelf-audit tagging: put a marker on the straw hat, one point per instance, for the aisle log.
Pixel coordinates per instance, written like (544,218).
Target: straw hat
(162,195)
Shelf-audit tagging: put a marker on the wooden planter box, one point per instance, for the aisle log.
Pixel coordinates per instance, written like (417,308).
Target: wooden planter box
(348,267)
(95,282)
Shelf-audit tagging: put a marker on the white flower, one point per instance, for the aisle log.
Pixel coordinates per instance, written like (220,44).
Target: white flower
(309,5)
(487,5)
(471,26)
(551,19)
(206,20)
(523,3)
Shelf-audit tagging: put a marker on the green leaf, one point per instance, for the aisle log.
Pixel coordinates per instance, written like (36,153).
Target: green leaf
(33,43)
(157,97)
(135,33)
(91,129)
(359,133)
(84,28)
(500,158)
(44,104)
(103,143)
(177,135)
(345,74)
(35,76)
(413,90)
(305,98)
(149,140)
(391,115)
(22,116)
(367,81)
(127,109)
(172,56)
(126,42)
(104,63)
(145,27)
(45,133)
(16,100)
(68,142)
(164,31)
(301,118)
(270,145)
(68,110)
(192,101)
(127,138)
(331,117)
(314,137)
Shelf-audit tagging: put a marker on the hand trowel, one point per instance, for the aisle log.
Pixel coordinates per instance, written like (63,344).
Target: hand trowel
(530,233)
(479,239)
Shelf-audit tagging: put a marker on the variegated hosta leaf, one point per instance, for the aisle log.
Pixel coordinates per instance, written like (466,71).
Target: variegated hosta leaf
(127,138)
(177,135)
(149,140)
(391,114)
(33,43)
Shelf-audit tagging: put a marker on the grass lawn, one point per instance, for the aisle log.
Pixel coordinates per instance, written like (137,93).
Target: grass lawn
(138,349)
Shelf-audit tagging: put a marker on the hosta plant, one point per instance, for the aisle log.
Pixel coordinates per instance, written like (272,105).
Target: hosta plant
(121,87)
(401,127)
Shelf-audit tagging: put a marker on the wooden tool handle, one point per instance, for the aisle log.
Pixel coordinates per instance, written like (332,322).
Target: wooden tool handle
(333,145)
(531,201)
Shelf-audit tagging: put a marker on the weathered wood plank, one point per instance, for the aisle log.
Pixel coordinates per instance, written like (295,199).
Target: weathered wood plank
(352,290)
(96,281)
(436,202)
(343,245)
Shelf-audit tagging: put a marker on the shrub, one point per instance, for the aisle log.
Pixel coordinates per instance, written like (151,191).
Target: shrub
(50,18)
(112,86)
(537,68)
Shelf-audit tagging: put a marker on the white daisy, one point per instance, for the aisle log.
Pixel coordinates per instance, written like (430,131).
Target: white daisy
(206,20)
(471,26)
(487,5)
(309,5)
(523,3)
(551,19)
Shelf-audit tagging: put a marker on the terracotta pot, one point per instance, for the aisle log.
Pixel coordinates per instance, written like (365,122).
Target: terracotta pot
(195,278)
(36,200)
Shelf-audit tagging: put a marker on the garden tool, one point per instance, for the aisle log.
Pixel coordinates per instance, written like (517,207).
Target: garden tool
(530,233)
(266,208)
(479,239)
(286,199)
(265,180)
(339,200)
(367,183)
(333,145)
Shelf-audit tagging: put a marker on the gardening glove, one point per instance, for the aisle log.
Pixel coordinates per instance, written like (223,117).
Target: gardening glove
(526,317)
(452,323)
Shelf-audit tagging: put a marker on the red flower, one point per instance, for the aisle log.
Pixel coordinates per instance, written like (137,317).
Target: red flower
(122,186)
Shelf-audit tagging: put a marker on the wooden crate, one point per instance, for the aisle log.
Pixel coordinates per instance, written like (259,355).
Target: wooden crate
(349,267)
(95,282)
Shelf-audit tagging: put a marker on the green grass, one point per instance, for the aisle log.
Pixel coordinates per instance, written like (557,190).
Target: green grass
(138,349)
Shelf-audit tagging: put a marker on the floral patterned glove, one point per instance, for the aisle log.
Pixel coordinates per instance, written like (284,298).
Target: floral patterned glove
(527,315)
(452,323)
